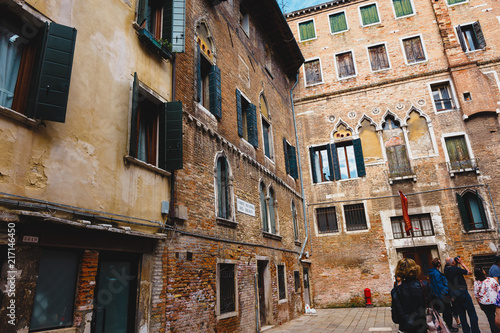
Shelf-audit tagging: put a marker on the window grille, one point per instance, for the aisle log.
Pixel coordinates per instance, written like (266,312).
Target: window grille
(355,217)
(227,288)
(327,220)
(421,226)
(281,282)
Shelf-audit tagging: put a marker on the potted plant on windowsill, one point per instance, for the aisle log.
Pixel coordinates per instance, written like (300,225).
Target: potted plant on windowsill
(162,47)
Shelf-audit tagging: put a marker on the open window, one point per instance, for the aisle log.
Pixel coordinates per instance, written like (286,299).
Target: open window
(267,135)
(35,67)
(471,37)
(290,159)
(247,119)
(470,205)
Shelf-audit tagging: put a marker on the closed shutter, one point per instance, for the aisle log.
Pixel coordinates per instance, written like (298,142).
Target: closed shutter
(479,35)
(239,113)
(461,39)
(314,167)
(292,156)
(333,161)
(463,212)
(55,73)
(285,150)
(369,14)
(358,154)
(253,137)
(338,22)
(170,136)
(215,92)
(174,17)
(142,12)
(134,120)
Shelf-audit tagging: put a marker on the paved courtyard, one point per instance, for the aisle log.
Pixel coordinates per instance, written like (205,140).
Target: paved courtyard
(351,320)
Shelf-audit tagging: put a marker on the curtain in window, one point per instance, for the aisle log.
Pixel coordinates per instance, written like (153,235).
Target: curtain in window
(313,72)
(272,216)
(338,22)
(306,30)
(414,50)
(345,64)
(369,14)
(378,57)
(11,51)
(457,152)
(402,7)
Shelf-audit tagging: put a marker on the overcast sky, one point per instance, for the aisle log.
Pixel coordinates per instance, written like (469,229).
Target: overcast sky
(293,5)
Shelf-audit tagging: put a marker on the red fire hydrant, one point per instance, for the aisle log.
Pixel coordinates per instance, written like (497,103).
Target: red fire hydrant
(368,297)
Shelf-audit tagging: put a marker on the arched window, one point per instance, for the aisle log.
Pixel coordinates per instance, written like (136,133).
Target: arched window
(272,213)
(472,211)
(263,207)
(223,202)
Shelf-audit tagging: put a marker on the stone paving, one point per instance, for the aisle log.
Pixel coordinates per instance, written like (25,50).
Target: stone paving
(351,320)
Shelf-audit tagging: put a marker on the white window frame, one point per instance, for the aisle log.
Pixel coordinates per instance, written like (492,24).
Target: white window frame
(361,18)
(304,71)
(400,17)
(452,92)
(315,32)
(386,52)
(285,300)
(467,142)
(456,4)
(346,22)
(236,310)
(344,223)
(353,60)
(402,39)
(458,38)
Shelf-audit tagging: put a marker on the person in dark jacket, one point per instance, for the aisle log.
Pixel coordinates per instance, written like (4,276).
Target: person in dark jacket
(439,285)
(410,298)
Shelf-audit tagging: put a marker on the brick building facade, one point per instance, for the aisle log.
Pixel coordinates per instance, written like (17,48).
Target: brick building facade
(397,96)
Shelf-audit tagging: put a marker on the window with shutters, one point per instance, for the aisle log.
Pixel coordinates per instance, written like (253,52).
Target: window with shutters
(345,65)
(160,24)
(227,289)
(443,96)
(281,272)
(247,119)
(472,212)
(369,14)
(321,164)
(307,30)
(326,220)
(414,50)
(458,154)
(35,66)
(471,37)
(290,159)
(312,72)
(338,22)
(421,226)
(402,8)
(355,217)
(224,189)
(156,129)
(379,60)
(396,150)
(267,137)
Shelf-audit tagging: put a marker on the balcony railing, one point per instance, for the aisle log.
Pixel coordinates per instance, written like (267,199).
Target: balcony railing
(463,166)
(401,172)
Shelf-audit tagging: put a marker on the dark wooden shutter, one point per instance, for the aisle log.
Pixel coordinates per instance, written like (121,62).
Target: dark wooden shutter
(239,113)
(461,39)
(55,73)
(174,17)
(170,136)
(479,35)
(463,212)
(133,119)
(215,92)
(358,154)
(333,161)
(285,150)
(142,12)
(482,212)
(313,165)
(199,77)
(292,156)
(253,136)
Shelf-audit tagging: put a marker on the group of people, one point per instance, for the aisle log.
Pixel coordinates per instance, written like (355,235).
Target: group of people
(446,293)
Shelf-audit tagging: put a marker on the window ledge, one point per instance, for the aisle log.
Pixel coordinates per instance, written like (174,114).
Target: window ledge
(282,301)
(347,77)
(357,231)
(152,43)
(477,231)
(314,84)
(393,179)
(226,222)
(19,117)
(453,172)
(135,161)
(62,330)
(227,315)
(330,233)
(271,236)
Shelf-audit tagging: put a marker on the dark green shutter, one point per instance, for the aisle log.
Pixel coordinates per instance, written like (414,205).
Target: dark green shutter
(199,78)
(285,150)
(174,17)
(313,165)
(479,35)
(133,120)
(239,113)
(142,12)
(292,155)
(358,154)
(482,212)
(170,136)
(215,92)
(55,73)
(463,212)
(334,161)
(461,39)
(253,137)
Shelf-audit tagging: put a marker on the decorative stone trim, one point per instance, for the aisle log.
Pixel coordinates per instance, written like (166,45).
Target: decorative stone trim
(227,223)
(272,236)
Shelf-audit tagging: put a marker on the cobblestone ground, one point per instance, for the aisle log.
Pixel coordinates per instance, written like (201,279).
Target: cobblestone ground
(351,320)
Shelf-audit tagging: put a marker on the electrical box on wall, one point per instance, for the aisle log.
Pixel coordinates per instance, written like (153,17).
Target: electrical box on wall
(165,205)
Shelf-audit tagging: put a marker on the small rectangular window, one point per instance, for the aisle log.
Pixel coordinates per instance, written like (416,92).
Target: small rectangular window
(355,218)
(345,64)
(312,70)
(421,226)
(458,153)
(327,220)
(338,22)
(227,288)
(402,7)
(296,277)
(471,37)
(307,30)
(378,57)
(369,14)
(281,282)
(414,50)
(443,98)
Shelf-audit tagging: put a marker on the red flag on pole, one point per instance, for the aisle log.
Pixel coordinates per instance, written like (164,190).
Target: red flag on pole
(406,217)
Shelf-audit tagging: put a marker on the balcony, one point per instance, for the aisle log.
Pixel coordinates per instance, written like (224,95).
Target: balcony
(401,173)
(463,166)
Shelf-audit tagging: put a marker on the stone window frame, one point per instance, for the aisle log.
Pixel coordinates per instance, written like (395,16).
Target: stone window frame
(312,165)
(231,221)
(305,21)
(234,313)
(367,218)
(402,39)
(346,22)
(330,232)
(454,99)
(320,68)
(353,61)
(456,4)
(430,127)
(284,300)
(469,149)
(268,189)
(386,52)
(405,16)
(459,39)
(490,221)
(361,17)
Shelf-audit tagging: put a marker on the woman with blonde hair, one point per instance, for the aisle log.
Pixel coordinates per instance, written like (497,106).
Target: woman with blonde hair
(410,298)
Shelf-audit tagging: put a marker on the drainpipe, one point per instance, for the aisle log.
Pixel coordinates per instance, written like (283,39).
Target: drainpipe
(257,317)
(300,168)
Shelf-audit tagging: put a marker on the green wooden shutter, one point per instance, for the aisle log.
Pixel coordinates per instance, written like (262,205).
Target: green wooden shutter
(479,35)
(174,18)
(285,150)
(461,39)
(402,7)
(292,155)
(253,137)
(358,154)
(463,212)
(307,30)
(170,136)
(142,12)
(239,113)
(313,165)
(215,92)
(338,22)
(133,119)
(482,212)
(369,14)
(54,77)
(333,161)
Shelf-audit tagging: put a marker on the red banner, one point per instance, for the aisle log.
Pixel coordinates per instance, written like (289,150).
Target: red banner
(406,217)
